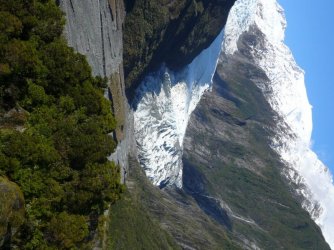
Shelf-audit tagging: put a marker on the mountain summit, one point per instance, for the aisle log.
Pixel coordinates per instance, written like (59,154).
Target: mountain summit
(156,124)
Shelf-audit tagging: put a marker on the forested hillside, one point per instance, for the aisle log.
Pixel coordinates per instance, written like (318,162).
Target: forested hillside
(54,125)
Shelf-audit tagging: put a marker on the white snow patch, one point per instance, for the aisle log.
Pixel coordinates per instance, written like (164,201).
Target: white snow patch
(286,93)
(164,103)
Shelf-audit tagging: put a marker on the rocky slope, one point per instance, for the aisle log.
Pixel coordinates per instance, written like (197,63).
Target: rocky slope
(257,38)
(229,166)
(247,155)
(151,218)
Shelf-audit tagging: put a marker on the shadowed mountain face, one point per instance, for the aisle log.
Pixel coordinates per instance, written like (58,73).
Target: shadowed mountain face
(233,196)
(231,171)
(233,181)
(168,31)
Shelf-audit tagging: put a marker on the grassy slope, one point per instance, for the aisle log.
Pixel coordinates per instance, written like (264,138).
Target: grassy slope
(131,227)
(149,218)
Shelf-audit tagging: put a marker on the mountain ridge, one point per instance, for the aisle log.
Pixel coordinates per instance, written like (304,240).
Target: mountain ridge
(211,145)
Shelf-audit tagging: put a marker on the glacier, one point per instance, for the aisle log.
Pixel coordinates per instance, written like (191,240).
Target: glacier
(286,93)
(163,104)
(165,100)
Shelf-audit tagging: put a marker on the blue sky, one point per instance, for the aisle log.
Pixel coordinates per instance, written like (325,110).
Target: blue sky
(310,36)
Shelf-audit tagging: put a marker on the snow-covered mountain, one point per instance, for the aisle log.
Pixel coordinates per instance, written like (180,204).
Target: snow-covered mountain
(164,103)
(262,23)
(166,99)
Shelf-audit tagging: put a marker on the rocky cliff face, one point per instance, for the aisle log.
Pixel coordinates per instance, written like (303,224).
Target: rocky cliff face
(174,32)
(235,167)
(94,28)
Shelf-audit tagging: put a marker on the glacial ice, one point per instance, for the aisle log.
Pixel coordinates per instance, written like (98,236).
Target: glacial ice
(286,93)
(166,99)
(163,105)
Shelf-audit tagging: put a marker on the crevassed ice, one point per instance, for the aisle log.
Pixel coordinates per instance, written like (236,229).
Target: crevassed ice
(286,93)
(164,103)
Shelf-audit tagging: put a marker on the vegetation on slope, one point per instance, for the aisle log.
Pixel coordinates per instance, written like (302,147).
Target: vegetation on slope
(131,226)
(54,122)
(174,32)
(11,209)
(153,218)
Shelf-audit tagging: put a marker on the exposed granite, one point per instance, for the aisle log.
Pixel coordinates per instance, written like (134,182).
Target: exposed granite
(94,29)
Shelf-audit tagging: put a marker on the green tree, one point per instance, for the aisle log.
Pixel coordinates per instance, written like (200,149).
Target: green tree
(67,229)
(59,158)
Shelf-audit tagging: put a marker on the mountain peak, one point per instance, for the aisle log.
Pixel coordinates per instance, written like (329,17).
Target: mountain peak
(255,33)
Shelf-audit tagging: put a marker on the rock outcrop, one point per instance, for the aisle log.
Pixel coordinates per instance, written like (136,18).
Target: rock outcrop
(11,210)
(169,31)
(95,29)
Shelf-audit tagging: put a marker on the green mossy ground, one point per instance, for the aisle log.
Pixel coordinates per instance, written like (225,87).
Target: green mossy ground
(131,225)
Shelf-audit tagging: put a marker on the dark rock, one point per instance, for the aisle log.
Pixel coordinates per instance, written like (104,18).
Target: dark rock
(169,31)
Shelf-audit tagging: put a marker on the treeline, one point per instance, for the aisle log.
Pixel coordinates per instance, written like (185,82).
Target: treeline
(53,129)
